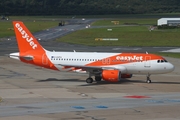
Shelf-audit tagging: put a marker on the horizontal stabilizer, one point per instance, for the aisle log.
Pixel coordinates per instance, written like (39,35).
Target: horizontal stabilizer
(16,56)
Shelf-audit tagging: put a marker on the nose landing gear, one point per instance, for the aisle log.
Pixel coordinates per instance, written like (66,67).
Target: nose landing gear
(148,79)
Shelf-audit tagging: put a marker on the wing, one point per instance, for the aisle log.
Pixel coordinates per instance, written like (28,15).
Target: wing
(89,68)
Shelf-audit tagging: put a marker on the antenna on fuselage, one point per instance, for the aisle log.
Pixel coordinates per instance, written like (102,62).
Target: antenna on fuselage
(146,52)
(74,50)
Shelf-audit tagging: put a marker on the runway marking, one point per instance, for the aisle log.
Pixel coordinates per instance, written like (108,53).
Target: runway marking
(172,50)
(163,101)
(101,106)
(173,101)
(78,107)
(137,96)
(126,48)
(0,99)
(154,101)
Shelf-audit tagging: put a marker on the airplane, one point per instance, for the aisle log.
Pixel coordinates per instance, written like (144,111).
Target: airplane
(110,67)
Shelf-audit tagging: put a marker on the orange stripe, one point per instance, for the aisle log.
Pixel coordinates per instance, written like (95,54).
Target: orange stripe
(118,59)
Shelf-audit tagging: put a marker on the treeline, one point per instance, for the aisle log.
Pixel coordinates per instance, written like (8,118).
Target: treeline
(87,7)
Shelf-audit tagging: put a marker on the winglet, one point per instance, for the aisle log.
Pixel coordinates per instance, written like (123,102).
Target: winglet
(26,41)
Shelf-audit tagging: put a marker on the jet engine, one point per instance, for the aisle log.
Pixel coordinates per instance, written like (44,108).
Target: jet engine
(114,75)
(126,75)
(111,75)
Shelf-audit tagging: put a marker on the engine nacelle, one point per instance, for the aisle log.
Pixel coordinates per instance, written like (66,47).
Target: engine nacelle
(126,75)
(111,75)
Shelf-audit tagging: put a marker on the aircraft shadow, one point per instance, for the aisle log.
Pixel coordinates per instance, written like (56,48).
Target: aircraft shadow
(153,82)
(59,80)
(123,81)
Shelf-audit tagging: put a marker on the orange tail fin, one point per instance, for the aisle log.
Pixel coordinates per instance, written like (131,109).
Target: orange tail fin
(26,41)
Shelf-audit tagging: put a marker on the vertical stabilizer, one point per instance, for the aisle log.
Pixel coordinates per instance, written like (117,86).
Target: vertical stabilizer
(26,41)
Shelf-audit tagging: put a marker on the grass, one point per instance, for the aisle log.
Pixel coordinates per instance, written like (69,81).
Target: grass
(6,26)
(139,21)
(34,24)
(127,35)
(138,35)
(174,55)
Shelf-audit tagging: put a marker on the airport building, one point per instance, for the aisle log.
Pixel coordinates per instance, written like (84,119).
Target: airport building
(168,21)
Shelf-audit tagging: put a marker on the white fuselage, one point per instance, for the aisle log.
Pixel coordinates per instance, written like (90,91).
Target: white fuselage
(84,58)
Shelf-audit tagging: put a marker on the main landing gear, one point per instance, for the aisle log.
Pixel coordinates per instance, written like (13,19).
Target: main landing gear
(148,79)
(90,80)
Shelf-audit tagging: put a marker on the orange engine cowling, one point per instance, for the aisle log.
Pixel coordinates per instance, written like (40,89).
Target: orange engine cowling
(126,75)
(111,75)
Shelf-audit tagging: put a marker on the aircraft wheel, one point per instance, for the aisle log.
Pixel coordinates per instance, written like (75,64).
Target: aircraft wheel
(89,80)
(98,78)
(148,81)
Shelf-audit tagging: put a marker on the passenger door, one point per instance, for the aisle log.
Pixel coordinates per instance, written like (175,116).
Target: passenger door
(147,62)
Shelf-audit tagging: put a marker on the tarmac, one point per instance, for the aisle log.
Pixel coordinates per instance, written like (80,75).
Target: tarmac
(30,92)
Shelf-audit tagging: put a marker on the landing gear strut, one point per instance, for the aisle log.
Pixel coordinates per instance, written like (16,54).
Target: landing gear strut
(148,79)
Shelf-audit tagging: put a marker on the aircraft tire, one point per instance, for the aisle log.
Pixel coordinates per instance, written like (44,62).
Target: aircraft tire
(89,80)
(148,81)
(98,78)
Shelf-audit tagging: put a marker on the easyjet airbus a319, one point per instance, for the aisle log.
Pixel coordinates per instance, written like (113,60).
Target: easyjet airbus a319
(103,66)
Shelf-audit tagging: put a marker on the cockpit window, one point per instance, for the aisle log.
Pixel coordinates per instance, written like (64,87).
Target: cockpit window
(161,61)
(165,60)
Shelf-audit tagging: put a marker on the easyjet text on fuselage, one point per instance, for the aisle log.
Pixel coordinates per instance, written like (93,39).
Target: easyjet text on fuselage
(130,58)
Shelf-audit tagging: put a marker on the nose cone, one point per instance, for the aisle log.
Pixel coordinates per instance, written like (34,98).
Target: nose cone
(170,67)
